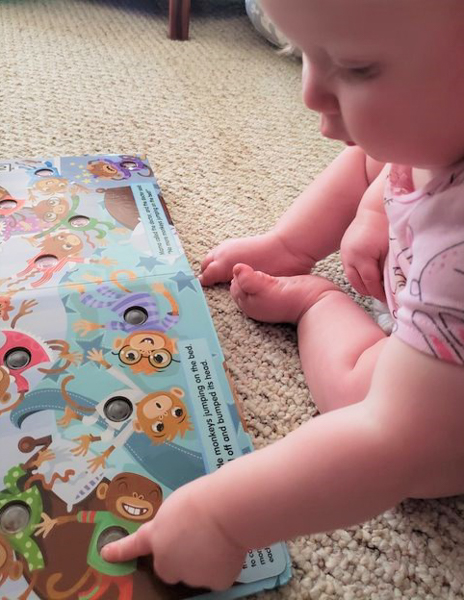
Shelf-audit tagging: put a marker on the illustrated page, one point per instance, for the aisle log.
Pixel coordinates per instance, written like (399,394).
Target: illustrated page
(113,387)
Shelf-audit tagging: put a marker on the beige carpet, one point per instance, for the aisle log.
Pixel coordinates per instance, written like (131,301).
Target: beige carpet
(221,120)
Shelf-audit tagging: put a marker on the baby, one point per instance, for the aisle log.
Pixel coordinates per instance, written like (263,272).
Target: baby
(387,78)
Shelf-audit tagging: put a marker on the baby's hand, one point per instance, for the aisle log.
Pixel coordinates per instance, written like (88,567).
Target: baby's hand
(364,248)
(187,544)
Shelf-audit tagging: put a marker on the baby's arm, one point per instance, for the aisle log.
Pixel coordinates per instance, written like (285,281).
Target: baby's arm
(364,246)
(309,230)
(404,440)
(341,468)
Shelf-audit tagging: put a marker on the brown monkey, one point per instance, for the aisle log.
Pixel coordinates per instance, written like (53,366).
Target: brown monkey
(121,168)
(56,251)
(10,568)
(146,351)
(130,500)
(104,169)
(50,186)
(52,209)
(20,352)
(162,415)
(20,540)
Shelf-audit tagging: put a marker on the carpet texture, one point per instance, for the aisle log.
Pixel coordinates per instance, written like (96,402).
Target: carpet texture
(221,120)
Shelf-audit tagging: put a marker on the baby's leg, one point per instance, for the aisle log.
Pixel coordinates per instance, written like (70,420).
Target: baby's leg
(338,341)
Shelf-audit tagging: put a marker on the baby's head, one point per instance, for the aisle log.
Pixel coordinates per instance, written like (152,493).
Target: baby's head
(387,75)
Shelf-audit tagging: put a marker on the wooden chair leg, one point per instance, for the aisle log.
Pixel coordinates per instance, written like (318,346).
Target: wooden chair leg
(179,19)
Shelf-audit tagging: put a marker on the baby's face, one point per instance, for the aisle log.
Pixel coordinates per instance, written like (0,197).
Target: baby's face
(387,75)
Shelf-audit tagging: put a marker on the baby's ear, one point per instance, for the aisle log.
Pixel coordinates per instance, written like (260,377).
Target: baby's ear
(137,427)
(118,343)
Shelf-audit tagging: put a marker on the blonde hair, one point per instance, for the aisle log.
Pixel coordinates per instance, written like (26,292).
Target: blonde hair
(290,50)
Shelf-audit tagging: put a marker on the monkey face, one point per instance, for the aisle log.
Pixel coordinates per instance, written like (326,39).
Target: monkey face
(104,169)
(146,351)
(49,210)
(62,245)
(51,185)
(131,496)
(162,415)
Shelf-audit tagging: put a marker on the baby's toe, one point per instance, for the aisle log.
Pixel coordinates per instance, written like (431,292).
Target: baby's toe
(211,274)
(250,281)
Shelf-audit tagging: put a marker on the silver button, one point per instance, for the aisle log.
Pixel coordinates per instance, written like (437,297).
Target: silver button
(17,358)
(112,534)
(118,409)
(14,517)
(135,315)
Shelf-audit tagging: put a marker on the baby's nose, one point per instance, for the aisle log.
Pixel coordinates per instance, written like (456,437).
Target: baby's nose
(317,93)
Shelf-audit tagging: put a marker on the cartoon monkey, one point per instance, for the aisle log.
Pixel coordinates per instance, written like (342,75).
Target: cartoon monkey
(52,209)
(20,352)
(106,168)
(21,510)
(47,187)
(56,251)
(10,568)
(147,349)
(161,416)
(71,219)
(11,219)
(34,220)
(130,500)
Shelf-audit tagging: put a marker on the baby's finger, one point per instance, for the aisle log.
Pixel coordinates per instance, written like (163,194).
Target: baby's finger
(132,546)
(376,290)
(372,279)
(356,281)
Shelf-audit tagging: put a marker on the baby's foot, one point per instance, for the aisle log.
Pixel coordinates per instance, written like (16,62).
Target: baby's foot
(264,252)
(277,299)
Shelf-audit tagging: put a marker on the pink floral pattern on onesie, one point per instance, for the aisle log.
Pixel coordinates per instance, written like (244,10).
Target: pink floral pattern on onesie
(424,270)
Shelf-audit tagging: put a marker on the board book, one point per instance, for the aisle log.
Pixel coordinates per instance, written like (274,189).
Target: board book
(113,387)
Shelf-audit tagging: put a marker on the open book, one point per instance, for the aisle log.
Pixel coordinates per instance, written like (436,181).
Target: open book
(113,386)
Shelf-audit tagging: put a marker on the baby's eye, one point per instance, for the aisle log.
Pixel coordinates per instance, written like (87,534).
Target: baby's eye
(361,73)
